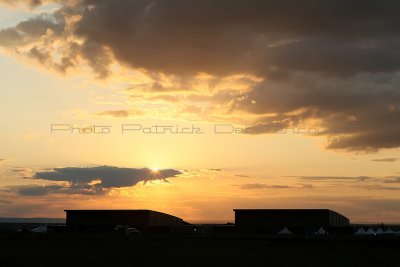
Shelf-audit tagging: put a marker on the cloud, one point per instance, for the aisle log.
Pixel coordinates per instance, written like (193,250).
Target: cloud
(119,113)
(306,185)
(318,64)
(108,176)
(260,186)
(242,175)
(90,180)
(258,37)
(334,178)
(338,107)
(385,160)
(2,160)
(30,30)
(360,208)
(392,179)
(24,173)
(34,190)
(380,187)
(157,98)
(30,3)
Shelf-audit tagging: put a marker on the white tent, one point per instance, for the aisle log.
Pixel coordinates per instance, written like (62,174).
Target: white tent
(389,232)
(321,231)
(360,231)
(40,229)
(285,231)
(379,231)
(370,231)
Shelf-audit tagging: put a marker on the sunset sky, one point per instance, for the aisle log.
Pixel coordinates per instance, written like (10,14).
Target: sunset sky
(294,104)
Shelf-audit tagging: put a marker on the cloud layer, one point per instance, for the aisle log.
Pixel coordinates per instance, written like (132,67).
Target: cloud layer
(333,64)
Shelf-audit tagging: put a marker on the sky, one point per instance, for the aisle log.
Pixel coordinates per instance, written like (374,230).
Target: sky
(195,108)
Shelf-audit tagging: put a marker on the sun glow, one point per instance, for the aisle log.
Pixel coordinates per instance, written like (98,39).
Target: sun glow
(155,169)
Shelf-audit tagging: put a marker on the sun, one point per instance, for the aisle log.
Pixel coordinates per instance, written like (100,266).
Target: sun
(154,169)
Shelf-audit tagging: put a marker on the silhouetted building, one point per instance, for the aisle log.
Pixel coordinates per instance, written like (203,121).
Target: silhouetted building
(297,220)
(144,220)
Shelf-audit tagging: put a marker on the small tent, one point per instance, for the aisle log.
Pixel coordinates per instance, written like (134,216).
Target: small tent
(40,229)
(370,231)
(389,232)
(360,231)
(321,231)
(379,231)
(285,231)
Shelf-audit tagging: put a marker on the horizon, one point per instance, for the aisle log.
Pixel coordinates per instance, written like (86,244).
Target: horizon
(205,221)
(208,221)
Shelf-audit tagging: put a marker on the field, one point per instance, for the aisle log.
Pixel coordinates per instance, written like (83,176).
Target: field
(68,249)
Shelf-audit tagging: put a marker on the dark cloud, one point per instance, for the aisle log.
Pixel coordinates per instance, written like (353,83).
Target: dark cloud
(385,160)
(88,181)
(317,58)
(340,108)
(223,37)
(105,176)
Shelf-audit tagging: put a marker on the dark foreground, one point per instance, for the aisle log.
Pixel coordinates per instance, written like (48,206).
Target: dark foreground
(66,249)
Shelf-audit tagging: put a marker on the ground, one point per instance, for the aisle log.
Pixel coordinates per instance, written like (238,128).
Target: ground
(67,249)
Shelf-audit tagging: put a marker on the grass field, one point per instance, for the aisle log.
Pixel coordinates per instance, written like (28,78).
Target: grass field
(66,249)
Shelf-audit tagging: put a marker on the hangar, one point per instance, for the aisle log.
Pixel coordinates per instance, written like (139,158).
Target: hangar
(300,220)
(144,220)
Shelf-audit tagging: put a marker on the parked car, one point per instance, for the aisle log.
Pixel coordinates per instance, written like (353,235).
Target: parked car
(132,231)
